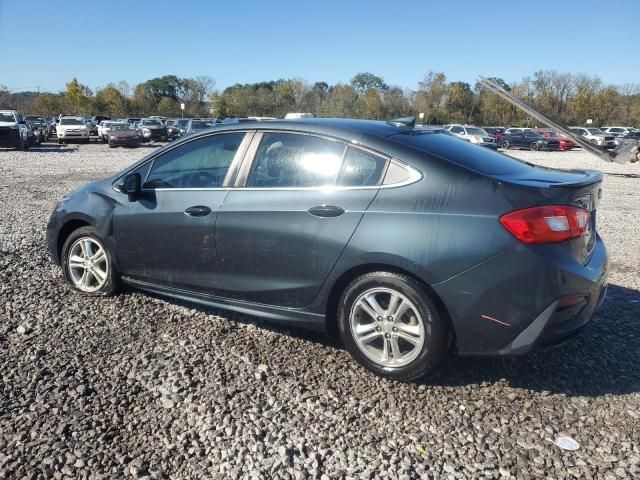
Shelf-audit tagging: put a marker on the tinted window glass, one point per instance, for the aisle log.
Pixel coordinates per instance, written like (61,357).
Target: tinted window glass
(466,154)
(202,163)
(361,169)
(290,160)
(457,130)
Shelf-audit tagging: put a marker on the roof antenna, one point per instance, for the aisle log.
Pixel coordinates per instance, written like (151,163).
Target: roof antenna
(403,122)
(628,150)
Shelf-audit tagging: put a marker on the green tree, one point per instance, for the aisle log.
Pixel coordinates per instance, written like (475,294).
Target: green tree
(110,101)
(365,81)
(77,97)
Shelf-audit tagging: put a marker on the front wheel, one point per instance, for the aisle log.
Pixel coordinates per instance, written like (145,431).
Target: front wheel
(391,326)
(87,264)
(505,144)
(535,146)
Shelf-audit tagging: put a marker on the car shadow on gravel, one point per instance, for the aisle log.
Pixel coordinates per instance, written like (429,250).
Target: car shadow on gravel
(603,360)
(53,149)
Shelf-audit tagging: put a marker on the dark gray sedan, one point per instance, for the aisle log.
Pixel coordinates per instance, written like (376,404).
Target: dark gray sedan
(407,242)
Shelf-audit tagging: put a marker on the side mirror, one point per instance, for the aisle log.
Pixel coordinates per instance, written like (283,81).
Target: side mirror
(132,186)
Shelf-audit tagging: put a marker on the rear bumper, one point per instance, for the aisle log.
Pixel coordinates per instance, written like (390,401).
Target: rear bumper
(524,298)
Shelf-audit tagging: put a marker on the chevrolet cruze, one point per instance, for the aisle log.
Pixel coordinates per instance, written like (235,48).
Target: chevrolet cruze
(408,242)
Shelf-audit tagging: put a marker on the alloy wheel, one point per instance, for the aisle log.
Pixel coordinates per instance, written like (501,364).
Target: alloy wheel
(88,265)
(387,327)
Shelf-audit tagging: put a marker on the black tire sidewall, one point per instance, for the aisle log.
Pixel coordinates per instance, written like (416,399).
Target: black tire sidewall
(110,285)
(435,345)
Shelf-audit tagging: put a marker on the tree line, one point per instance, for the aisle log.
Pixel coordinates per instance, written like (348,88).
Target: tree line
(571,98)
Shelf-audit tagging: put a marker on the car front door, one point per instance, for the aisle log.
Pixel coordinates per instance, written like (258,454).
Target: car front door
(297,203)
(166,236)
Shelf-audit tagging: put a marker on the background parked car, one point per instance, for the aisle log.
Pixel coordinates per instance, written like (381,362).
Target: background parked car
(618,131)
(595,135)
(71,128)
(33,134)
(42,130)
(473,134)
(495,132)
(565,143)
(44,124)
(95,121)
(196,125)
(105,127)
(124,135)
(13,130)
(176,127)
(529,140)
(152,129)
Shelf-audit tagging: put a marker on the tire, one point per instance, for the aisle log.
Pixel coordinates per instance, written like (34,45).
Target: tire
(101,278)
(505,144)
(421,322)
(59,142)
(534,147)
(20,144)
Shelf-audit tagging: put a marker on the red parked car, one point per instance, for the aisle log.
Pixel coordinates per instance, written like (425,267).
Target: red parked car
(565,142)
(495,132)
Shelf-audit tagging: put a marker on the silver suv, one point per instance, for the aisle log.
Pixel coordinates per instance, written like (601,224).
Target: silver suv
(13,130)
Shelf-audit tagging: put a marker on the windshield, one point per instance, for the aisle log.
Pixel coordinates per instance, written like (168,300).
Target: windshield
(182,123)
(7,117)
(120,127)
(71,121)
(152,123)
(594,131)
(476,131)
(200,125)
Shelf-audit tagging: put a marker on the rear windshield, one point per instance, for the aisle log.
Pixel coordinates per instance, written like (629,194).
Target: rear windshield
(198,125)
(152,123)
(463,153)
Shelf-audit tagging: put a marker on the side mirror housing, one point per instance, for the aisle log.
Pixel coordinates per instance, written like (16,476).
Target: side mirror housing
(132,186)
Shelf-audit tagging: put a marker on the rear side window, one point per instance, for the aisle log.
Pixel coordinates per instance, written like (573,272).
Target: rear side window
(361,169)
(295,161)
(201,163)
(466,154)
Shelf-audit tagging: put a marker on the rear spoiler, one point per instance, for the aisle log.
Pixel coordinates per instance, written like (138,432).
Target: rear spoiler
(628,150)
(593,176)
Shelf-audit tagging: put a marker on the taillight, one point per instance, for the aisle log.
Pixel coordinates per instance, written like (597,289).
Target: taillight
(548,224)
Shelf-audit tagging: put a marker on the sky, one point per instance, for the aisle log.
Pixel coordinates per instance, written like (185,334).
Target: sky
(46,43)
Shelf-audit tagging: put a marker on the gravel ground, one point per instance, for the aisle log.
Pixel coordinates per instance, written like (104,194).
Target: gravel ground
(134,386)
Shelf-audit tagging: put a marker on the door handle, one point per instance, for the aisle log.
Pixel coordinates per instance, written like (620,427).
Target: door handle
(197,211)
(327,211)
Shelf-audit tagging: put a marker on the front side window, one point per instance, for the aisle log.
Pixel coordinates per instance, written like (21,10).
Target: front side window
(457,129)
(295,161)
(201,163)
(361,169)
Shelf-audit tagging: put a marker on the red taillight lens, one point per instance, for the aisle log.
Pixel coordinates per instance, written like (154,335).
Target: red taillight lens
(548,224)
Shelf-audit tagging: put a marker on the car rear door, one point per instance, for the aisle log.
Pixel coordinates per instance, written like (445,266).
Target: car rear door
(166,236)
(298,200)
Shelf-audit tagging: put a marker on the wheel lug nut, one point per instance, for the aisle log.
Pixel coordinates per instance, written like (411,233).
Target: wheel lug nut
(387,335)
(395,329)
(390,318)
(378,329)
(379,319)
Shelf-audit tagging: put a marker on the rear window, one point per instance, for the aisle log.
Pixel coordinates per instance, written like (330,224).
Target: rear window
(463,153)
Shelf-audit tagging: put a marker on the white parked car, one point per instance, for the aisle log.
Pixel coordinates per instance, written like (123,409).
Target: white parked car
(619,131)
(105,126)
(13,130)
(473,134)
(72,129)
(294,115)
(518,130)
(596,136)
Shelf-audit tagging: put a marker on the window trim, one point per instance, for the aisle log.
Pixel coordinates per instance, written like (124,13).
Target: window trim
(243,174)
(227,184)
(242,162)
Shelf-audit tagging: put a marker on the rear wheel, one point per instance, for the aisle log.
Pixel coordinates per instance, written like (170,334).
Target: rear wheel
(391,326)
(534,146)
(505,144)
(87,265)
